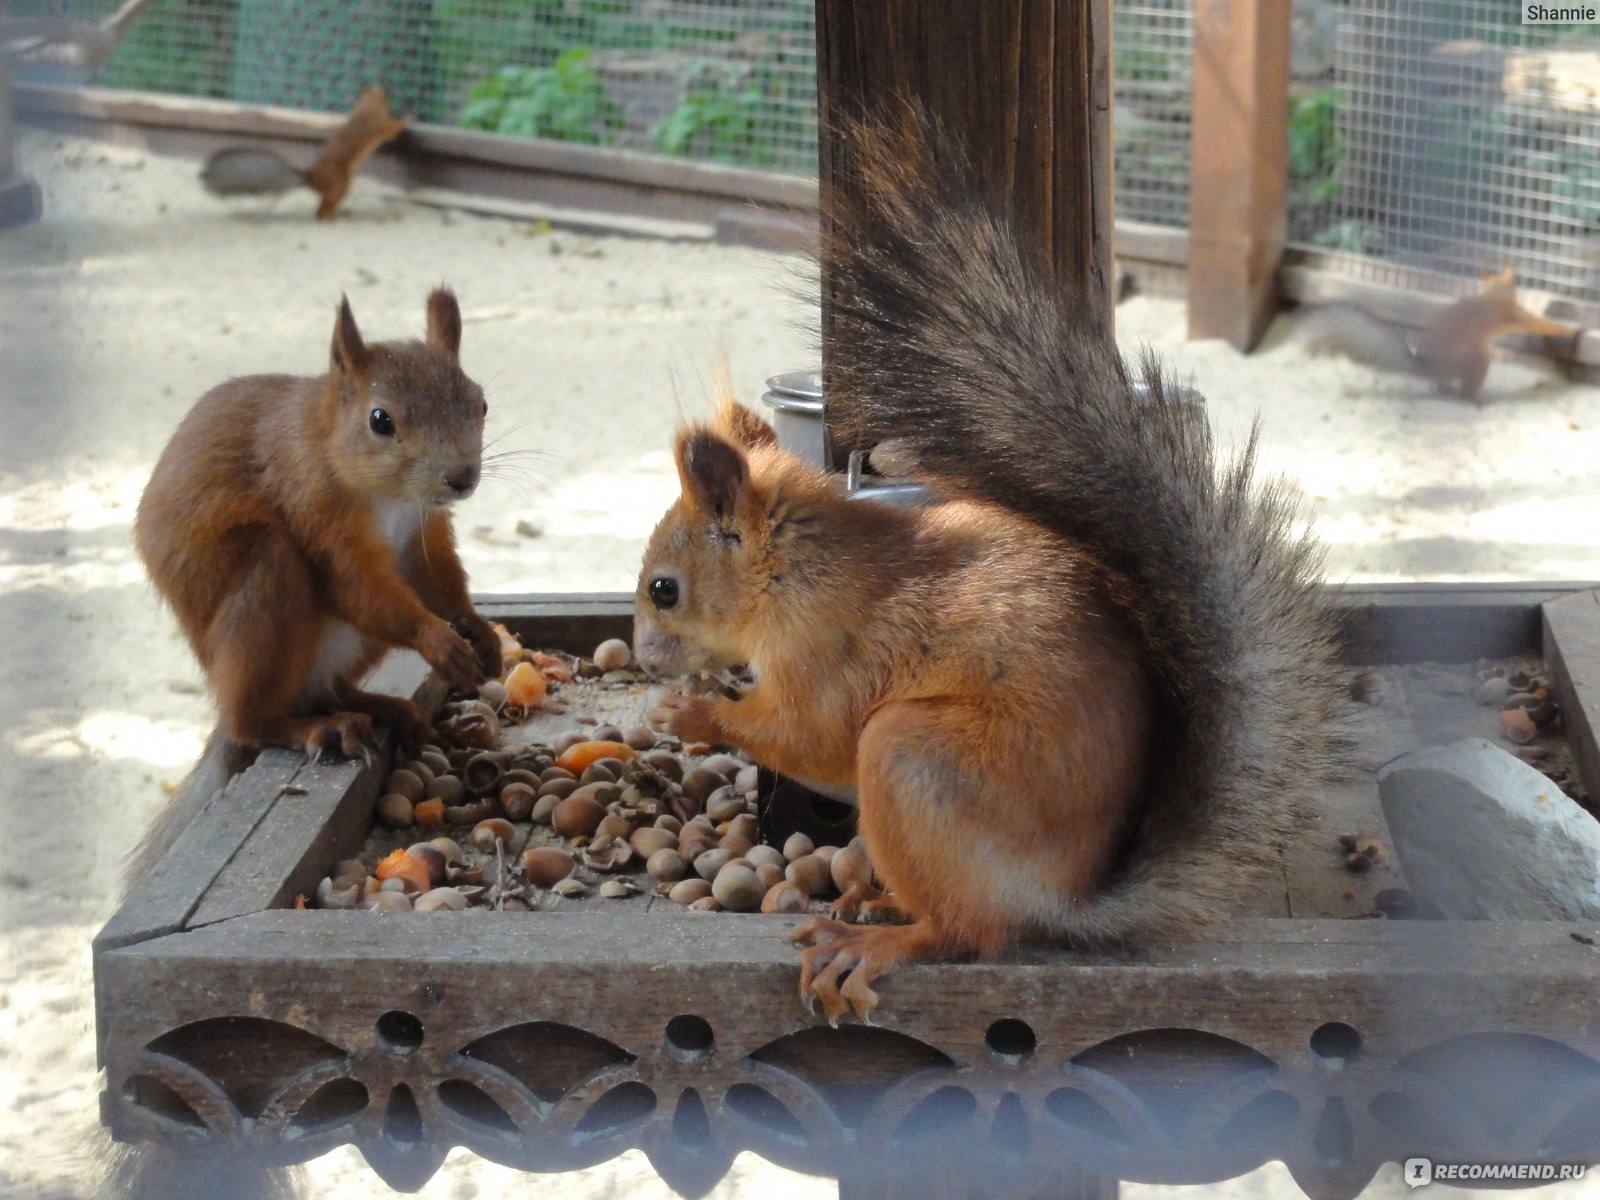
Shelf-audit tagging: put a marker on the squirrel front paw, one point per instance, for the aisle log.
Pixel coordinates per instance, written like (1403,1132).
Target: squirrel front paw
(448,653)
(484,641)
(688,717)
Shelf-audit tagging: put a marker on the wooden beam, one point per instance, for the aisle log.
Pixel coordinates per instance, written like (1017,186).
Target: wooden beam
(1238,167)
(1022,84)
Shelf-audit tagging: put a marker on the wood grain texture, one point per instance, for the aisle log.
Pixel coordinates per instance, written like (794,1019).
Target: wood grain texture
(1238,167)
(1021,85)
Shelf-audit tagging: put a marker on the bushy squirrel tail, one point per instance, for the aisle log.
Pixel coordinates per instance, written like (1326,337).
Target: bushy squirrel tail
(954,343)
(1352,331)
(250,171)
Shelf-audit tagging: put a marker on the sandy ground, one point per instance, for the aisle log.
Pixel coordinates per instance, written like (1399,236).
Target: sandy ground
(137,292)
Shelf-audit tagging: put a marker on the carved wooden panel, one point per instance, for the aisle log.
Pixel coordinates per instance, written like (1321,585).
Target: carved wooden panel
(551,1041)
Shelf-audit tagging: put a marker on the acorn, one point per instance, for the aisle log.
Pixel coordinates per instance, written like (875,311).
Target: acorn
(706,904)
(785,897)
(748,778)
(616,889)
(351,868)
(435,761)
(544,866)
(612,825)
(798,845)
(406,783)
(699,783)
(448,848)
(493,693)
(570,887)
(759,855)
(667,865)
(484,772)
(647,840)
(605,733)
(850,866)
(640,737)
(517,801)
(725,765)
(707,865)
(440,899)
(577,815)
(599,772)
(612,654)
(447,788)
(431,855)
(688,891)
(395,811)
(738,888)
(667,763)
(811,873)
(486,833)
(724,804)
(339,893)
(559,788)
(769,874)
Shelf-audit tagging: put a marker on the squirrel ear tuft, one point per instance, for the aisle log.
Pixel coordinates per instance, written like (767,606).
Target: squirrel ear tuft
(349,351)
(444,321)
(743,427)
(713,471)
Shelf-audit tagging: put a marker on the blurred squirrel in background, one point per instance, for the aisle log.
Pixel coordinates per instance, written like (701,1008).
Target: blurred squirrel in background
(1085,697)
(1452,349)
(299,528)
(249,171)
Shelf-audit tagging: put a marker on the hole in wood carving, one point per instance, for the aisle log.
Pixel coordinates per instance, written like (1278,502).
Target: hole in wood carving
(852,1066)
(1085,1116)
(1575,1139)
(761,1108)
(1260,1125)
(1175,1072)
(156,1097)
(399,1032)
(1010,1041)
(1010,1132)
(691,1128)
(471,1103)
(936,1114)
(331,1104)
(402,1119)
(1335,1044)
(688,1038)
(1333,1140)
(276,1053)
(623,1107)
(546,1057)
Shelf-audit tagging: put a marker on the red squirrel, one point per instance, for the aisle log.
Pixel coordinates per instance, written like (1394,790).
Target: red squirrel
(1083,698)
(1452,349)
(299,528)
(250,171)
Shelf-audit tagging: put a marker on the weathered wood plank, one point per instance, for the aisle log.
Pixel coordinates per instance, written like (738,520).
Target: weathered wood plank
(1572,654)
(1383,623)
(325,806)
(1238,168)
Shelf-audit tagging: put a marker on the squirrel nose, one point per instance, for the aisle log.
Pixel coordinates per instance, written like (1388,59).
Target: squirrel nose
(462,480)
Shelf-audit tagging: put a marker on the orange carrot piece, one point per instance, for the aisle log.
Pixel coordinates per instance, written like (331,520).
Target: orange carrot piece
(580,756)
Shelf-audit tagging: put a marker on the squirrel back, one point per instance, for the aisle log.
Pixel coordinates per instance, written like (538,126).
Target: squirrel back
(1452,349)
(254,171)
(954,345)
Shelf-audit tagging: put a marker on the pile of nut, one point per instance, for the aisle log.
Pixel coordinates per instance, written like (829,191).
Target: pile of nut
(602,809)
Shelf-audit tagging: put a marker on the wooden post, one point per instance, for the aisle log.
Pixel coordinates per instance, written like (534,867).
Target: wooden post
(1024,84)
(1238,167)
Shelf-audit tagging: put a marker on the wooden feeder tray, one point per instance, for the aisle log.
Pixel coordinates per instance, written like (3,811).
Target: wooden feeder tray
(550,1041)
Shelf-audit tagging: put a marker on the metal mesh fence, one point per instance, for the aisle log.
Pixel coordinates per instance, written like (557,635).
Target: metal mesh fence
(1458,139)
(730,81)
(1153,50)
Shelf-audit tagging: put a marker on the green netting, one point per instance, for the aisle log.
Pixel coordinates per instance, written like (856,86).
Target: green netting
(724,80)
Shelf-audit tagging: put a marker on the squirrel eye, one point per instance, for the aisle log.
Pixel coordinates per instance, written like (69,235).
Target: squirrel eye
(381,422)
(663,591)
